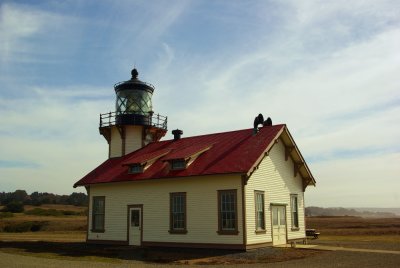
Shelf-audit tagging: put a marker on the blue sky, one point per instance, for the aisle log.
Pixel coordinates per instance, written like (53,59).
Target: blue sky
(328,69)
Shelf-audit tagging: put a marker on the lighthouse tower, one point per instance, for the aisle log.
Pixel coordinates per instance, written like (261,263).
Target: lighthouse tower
(133,124)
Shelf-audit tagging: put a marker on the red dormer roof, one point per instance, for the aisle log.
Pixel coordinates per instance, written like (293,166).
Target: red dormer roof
(146,157)
(220,153)
(187,152)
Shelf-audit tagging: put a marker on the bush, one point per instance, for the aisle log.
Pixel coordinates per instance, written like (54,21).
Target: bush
(14,207)
(6,215)
(29,226)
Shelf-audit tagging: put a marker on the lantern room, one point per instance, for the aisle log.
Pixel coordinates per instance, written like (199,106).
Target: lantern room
(133,124)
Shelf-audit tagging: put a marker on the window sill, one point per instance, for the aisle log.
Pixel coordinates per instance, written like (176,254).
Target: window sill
(97,231)
(226,232)
(177,231)
(296,229)
(260,231)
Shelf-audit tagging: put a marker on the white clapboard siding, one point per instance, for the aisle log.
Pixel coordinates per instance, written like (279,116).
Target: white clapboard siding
(133,138)
(115,143)
(275,177)
(202,210)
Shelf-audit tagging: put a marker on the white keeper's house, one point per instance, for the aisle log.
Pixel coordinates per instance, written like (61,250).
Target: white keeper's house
(236,190)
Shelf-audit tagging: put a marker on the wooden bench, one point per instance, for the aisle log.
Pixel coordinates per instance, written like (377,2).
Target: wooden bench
(312,232)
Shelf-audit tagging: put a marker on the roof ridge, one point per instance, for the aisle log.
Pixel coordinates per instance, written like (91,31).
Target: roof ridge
(218,133)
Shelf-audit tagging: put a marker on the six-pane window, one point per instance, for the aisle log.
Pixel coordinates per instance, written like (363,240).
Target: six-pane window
(295,213)
(227,210)
(98,213)
(178,212)
(260,216)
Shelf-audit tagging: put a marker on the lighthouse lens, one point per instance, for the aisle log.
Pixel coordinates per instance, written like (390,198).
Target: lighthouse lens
(134,102)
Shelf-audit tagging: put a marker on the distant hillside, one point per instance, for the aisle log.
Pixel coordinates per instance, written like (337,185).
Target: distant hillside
(359,212)
(390,210)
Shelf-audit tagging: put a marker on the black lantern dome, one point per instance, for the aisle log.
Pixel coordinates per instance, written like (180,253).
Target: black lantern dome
(133,101)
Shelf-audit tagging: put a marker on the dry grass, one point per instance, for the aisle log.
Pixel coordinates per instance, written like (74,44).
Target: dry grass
(62,223)
(362,238)
(57,207)
(357,232)
(45,236)
(354,225)
(50,223)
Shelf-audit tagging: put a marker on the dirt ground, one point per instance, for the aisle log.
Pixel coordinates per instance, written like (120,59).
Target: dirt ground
(49,249)
(83,251)
(324,260)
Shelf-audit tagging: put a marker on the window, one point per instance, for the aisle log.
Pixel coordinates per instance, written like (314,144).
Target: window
(177,164)
(227,212)
(135,217)
(295,211)
(260,216)
(136,168)
(98,213)
(178,213)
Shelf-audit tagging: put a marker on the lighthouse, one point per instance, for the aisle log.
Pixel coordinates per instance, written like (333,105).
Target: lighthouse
(133,124)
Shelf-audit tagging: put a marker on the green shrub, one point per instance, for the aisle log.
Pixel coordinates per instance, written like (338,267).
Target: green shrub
(6,215)
(29,226)
(14,207)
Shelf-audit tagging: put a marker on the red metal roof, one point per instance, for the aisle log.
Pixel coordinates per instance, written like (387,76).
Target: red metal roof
(230,152)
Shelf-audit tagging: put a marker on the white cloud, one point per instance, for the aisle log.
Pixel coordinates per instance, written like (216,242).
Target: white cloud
(327,69)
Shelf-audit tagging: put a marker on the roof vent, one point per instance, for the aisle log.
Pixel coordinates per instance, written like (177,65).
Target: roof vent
(177,134)
(259,120)
(268,122)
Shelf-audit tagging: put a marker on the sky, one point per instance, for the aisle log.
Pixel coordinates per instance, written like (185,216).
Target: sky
(328,69)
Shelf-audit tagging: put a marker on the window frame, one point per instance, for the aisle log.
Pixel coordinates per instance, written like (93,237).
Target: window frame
(222,231)
(294,220)
(96,229)
(173,230)
(257,228)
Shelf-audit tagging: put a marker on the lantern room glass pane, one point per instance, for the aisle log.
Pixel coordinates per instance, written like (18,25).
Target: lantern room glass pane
(134,102)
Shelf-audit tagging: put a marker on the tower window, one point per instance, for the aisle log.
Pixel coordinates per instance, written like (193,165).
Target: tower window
(135,168)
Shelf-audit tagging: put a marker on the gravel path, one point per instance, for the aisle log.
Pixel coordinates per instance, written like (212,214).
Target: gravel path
(326,259)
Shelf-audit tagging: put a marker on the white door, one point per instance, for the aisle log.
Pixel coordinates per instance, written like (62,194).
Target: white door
(135,226)
(278,225)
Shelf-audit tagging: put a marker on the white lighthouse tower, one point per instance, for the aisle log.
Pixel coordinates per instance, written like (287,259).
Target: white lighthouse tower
(133,124)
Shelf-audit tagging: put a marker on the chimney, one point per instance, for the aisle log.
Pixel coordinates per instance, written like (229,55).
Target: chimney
(177,134)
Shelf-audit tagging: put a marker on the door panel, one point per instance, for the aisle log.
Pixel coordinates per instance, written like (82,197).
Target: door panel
(135,228)
(278,225)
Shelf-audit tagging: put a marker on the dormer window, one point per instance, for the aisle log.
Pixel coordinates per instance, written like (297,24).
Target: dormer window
(177,164)
(182,158)
(135,168)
